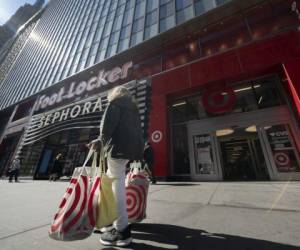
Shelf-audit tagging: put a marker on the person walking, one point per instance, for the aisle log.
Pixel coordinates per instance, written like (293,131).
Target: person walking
(149,161)
(14,170)
(56,170)
(121,137)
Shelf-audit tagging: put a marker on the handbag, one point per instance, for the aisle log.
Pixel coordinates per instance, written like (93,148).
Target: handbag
(77,212)
(107,210)
(137,185)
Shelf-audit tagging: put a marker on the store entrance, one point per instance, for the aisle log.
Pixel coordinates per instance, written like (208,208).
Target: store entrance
(242,156)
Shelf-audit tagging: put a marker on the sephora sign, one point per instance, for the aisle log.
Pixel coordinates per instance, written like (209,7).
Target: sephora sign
(76,89)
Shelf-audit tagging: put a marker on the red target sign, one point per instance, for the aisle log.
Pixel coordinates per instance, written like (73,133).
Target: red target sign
(281,159)
(219,100)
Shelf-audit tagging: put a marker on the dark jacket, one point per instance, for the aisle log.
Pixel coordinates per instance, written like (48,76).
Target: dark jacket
(148,155)
(120,130)
(57,167)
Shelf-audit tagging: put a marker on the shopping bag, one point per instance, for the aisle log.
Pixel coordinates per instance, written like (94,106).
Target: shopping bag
(77,212)
(137,185)
(107,210)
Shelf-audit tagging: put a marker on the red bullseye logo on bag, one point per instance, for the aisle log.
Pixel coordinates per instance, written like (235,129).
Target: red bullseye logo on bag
(136,195)
(219,101)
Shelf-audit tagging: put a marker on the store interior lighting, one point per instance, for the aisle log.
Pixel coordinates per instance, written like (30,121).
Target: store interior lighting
(247,88)
(225,131)
(179,104)
(251,129)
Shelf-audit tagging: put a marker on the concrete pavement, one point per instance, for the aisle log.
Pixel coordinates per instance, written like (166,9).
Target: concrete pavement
(211,215)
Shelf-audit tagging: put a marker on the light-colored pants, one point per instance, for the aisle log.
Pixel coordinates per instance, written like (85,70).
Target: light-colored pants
(116,169)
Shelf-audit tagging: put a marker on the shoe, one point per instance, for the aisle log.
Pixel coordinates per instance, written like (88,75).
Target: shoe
(104,229)
(116,238)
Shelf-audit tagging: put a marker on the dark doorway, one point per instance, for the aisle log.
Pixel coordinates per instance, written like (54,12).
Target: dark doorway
(242,156)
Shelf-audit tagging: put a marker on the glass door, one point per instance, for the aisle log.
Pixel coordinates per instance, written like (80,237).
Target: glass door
(242,158)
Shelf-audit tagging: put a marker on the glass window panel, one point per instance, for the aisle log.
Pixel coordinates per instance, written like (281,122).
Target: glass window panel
(267,94)
(151,31)
(110,16)
(184,14)
(162,2)
(285,153)
(138,25)
(107,29)
(181,4)
(111,50)
(124,44)
(98,34)
(166,10)
(125,32)
(104,43)
(202,6)
(152,5)
(120,10)
(114,38)
(221,37)
(182,55)
(220,2)
(245,99)
(101,55)
(140,10)
(136,38)
(94,49)
(130,4)
(90,60)
(122,2)
(128,17)
(113,5)
(263,21)
(118,23)
(166,23)
(151,18)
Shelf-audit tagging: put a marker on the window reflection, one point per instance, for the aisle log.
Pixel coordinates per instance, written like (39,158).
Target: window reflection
(249,96)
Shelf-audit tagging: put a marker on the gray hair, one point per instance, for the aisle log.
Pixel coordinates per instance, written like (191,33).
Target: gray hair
(117,92)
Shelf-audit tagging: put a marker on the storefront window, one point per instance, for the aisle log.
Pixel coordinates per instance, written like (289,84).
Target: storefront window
(245,99)
(223,36)
(264,20)
(203,154)
(267,94)
(284,149)
(180,150)
(235,98)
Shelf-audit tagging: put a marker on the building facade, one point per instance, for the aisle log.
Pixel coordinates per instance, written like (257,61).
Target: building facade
(216,83)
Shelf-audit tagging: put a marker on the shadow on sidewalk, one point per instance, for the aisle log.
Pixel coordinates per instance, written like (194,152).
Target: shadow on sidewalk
(182,238)
(176,184)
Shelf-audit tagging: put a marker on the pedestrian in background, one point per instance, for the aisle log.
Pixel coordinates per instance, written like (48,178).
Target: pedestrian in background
(121,136)
(14,169)
(57,168)
(149,161)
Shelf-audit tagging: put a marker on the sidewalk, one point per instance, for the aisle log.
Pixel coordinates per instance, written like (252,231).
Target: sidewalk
(209,216)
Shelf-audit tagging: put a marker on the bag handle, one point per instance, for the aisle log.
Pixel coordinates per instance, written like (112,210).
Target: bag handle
(102,160)
(90,153)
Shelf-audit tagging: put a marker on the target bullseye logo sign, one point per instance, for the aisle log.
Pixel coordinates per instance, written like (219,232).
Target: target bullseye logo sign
(282,159)
(156,136)
(219,100)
